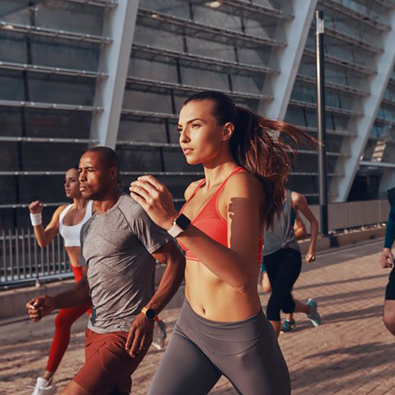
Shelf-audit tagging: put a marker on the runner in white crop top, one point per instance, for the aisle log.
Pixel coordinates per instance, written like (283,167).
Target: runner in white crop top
(71,233)
(68,221)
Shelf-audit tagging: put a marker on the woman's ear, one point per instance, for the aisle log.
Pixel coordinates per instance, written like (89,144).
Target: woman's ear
(228,130)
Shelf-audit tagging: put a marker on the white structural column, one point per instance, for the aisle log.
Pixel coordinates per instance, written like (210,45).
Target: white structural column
(370,105)
(119,24)
(294,33)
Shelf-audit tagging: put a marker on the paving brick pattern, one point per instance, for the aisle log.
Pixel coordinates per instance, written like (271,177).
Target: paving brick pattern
(351,353)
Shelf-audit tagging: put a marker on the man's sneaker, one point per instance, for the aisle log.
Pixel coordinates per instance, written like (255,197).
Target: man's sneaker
(44,387)
(314,317)
(160,335)
(288,326)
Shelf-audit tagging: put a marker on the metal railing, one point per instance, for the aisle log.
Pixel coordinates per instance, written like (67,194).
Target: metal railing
(358,16)
(54,33)
(350,215)
(173,24)
(342,62)
(51,70)
(249,8)
(199,61)
(22,261)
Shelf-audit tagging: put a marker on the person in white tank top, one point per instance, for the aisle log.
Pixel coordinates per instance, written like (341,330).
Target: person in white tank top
(68,221)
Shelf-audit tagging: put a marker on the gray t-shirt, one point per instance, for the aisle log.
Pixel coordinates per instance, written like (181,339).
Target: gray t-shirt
(117,247)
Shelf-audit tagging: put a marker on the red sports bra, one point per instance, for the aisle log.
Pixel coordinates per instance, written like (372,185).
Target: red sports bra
(210,221)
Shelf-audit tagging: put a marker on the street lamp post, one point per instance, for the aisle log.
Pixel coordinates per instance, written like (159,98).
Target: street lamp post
(322,171)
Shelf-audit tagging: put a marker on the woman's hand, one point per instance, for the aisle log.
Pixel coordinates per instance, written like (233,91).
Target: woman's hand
(386,258)
(155,199)
(36,207)
(310,256)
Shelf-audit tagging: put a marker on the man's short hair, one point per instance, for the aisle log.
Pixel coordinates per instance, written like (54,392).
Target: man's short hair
(109,156)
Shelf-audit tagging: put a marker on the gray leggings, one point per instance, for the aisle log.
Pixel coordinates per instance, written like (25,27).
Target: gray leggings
(201,351)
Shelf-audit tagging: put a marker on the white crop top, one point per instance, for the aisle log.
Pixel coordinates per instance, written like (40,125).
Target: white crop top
(71,233)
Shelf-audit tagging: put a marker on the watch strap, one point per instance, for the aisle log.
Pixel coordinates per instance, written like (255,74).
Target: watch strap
(179,226)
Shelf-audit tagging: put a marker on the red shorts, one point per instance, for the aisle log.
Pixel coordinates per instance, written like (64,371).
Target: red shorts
(108,367)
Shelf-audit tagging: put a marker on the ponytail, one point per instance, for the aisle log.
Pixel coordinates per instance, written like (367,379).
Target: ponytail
(256,146)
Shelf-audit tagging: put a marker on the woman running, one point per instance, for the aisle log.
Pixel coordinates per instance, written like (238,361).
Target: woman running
(68,221)
(221,329)
(300,234)
(283,262)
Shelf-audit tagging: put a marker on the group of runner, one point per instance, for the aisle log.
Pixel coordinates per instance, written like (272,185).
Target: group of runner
(114,241)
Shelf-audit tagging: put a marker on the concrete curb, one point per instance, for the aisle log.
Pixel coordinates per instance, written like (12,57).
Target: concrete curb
(344,239)
(12,302)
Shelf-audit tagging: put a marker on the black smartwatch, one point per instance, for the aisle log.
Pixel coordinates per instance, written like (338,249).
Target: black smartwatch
(180,224)
(149,313)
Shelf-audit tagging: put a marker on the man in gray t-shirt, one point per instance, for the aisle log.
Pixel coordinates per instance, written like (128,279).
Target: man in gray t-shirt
(120,245)
(117,247)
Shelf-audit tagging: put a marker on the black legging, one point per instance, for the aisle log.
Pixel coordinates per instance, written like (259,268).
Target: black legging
(201,351)
(283,268)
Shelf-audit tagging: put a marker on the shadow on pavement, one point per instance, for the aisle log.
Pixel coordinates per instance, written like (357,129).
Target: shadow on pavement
(368,312)
(361,364)
(353,295)
(333,257)
(350,280)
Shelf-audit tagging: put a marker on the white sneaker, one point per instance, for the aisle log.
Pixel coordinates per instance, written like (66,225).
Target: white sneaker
(44,387)
(160,335)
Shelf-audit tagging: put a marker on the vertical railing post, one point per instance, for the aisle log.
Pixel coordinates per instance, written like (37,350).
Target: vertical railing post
(11,260)
(30,252)
(4,246)
(23,252)
(17,257)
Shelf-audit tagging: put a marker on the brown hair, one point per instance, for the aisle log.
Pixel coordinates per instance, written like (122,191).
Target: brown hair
(256,147)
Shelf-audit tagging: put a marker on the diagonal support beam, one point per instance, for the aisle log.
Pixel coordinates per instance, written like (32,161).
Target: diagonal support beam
(294,32)
(120,25)
(369,106)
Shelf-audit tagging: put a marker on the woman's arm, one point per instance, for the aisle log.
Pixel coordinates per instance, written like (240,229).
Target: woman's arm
(45,236)
(241,202)
(299,202)
(299,228)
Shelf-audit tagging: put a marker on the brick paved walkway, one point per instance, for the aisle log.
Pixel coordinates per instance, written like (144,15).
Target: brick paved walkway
(351,353)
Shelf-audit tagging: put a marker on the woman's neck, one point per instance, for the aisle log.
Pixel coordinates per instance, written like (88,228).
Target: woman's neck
(216,175)
(80,203)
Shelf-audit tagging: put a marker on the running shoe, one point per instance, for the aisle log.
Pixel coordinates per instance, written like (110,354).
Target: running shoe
(44,387)
(288,326)
(160,335)
(314,317)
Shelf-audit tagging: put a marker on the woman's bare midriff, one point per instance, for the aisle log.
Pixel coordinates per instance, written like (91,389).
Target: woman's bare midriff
(74,254)
(215,300)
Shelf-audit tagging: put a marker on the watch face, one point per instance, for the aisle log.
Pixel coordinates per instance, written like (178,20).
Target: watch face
(150,313)
(182,221)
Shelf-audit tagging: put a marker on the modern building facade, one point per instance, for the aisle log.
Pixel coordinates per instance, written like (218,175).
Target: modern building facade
(76,73)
